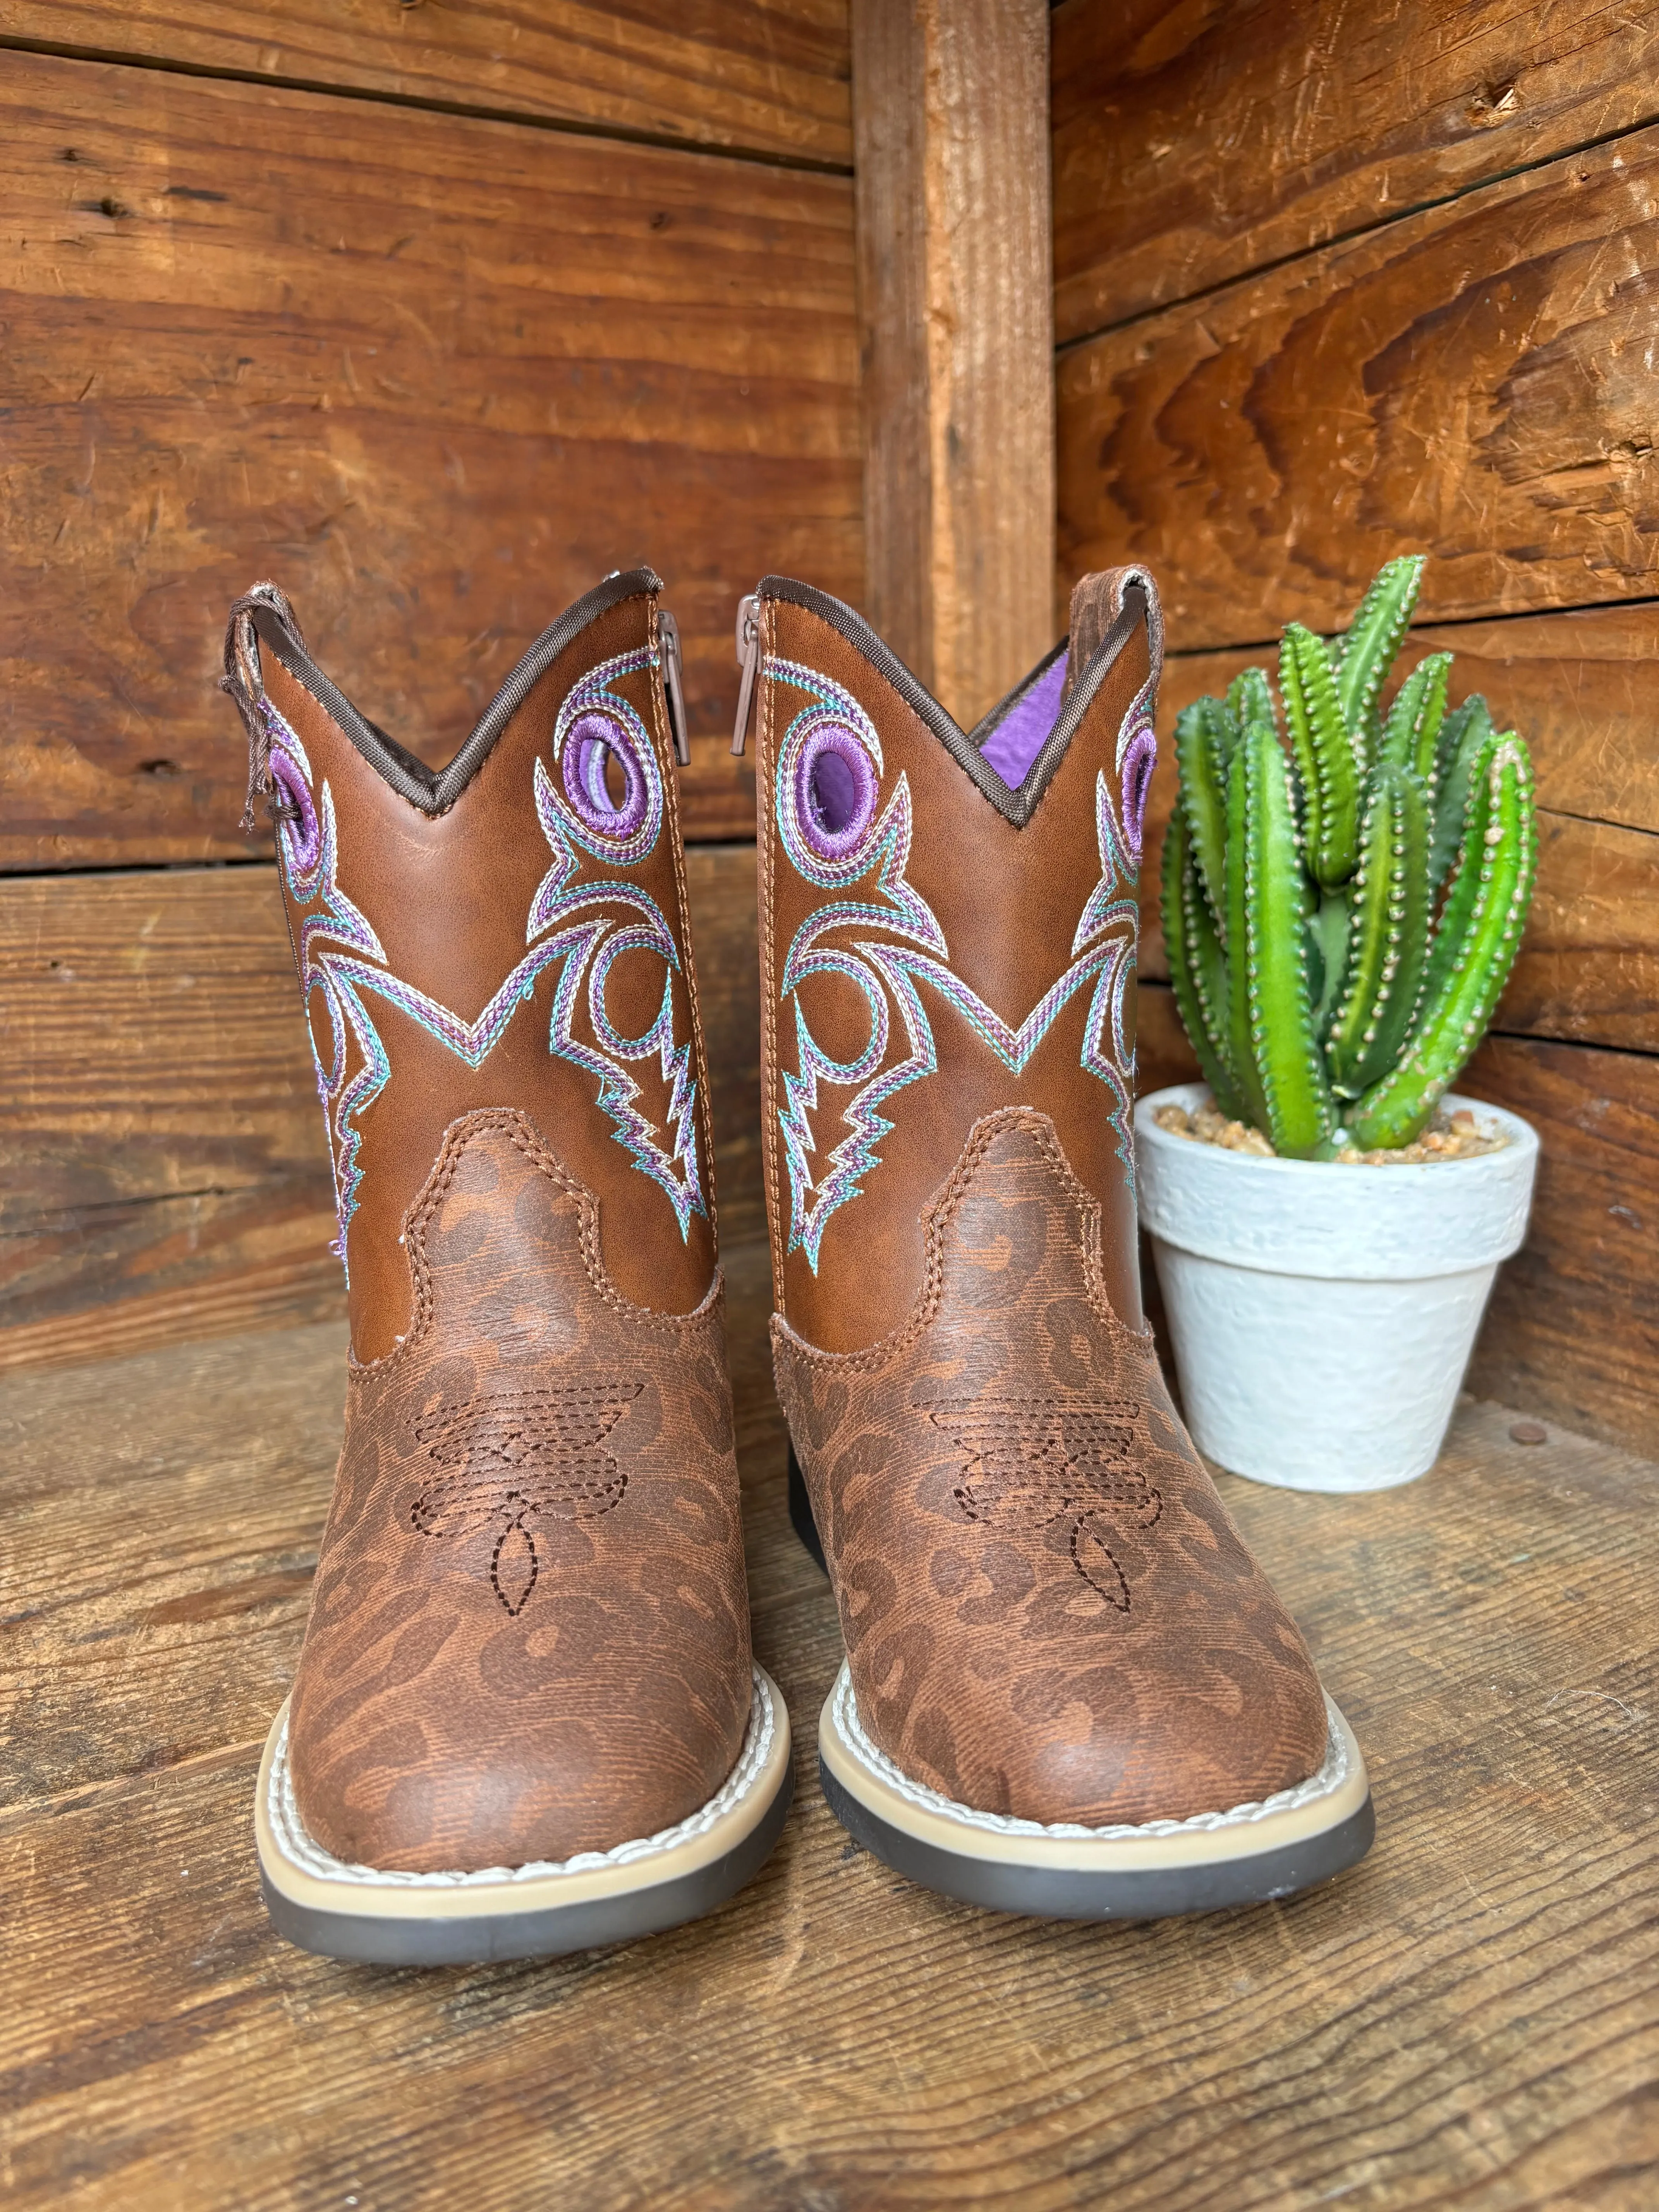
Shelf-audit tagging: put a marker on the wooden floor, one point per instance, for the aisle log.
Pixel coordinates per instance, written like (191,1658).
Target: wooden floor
(1470,2019)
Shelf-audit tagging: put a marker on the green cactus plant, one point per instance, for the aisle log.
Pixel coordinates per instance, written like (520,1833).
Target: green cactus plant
(1344,890)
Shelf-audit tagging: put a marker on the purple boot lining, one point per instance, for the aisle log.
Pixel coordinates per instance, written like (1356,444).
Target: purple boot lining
(1021,735)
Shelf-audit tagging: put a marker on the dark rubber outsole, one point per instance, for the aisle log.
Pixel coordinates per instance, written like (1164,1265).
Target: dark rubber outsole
(1140,1893)
(412,1940)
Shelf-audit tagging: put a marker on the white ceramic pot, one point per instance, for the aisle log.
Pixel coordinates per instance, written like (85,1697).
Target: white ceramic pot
(1323,1314)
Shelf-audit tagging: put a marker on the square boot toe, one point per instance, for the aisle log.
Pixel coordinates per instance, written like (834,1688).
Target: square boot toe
(1113,1744)
(1185,1760)
(450,1792)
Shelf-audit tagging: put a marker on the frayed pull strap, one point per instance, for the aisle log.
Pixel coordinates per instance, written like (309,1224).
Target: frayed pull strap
(243,683)
(1098,603)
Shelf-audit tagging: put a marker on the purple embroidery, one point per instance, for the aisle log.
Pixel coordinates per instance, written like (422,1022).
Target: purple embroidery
(341,958)
(302,834)
(1023,731)
(590,744)
(835,790)
(827,814)
(888,976)
(1138,760)
(595,723)
(1137,744)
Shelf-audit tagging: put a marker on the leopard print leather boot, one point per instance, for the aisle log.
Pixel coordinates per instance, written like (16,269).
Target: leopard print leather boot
(1068,1688)
(526,1717)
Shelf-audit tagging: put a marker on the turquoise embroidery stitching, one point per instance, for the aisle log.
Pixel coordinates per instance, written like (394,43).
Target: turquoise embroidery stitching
(340,956)
(1103,954)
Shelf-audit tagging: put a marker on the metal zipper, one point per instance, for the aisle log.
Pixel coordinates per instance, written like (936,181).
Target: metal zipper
(673,685)
(749,649)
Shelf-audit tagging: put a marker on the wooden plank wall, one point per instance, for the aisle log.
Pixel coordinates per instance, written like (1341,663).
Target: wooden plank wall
(1336,285)
(436,314)
(405,309)
(950,128)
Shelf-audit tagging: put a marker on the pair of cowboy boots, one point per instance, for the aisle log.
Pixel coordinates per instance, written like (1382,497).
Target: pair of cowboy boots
(526,1717)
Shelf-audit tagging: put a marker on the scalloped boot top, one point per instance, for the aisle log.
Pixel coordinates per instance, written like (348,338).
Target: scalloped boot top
(526,1717)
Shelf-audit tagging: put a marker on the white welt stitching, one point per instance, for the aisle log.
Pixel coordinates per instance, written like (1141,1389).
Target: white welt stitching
(290,1830)
(1330,1777)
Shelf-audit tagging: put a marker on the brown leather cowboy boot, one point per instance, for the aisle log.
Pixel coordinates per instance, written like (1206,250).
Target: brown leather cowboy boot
(525,1718)
(1069,1689)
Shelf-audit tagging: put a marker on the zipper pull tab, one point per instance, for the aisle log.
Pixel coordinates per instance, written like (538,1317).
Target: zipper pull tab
(673,685)
(749,646)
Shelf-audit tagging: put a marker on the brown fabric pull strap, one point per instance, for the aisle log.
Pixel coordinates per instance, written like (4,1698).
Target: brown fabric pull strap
(244,685)
(1096,604)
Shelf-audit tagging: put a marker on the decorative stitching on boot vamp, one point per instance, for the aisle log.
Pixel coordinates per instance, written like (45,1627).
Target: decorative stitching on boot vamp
(875,932)
(1048,1612)
(529,1635)
(1029,1462)
(580,924)
(513,1459)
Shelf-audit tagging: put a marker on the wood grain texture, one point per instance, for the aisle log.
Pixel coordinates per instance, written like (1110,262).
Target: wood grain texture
(950,127)
(768,76)
(1573,1327)
(435,375)
(165,1169)
(153,1040)
(1581,689)
(1468,2017)
(1193,143)
(1472,380)
(90,1283)
(717,793)
(1588,966)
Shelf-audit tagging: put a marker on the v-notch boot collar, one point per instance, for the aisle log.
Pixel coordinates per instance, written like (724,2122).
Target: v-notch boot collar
(507,932)
(1049,701)
(433,790)
(974,894)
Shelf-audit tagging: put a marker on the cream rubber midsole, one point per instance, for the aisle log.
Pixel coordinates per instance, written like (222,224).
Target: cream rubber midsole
(311,1877)
(1328,1798)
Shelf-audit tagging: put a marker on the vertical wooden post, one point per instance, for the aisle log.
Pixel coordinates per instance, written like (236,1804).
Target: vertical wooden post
(955,233)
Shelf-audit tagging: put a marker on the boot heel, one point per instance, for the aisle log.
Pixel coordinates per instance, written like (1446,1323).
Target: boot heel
(801,1512)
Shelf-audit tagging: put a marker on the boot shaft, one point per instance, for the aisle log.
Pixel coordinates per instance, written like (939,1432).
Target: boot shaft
(509,934)
(948,929)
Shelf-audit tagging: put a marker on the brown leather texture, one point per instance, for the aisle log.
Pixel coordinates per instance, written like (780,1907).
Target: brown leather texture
(1009,900)
(448,897)
(529,1634)
(1048,1611)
